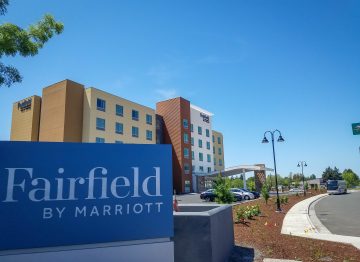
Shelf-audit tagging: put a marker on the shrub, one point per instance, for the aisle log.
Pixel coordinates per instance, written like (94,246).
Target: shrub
(249,212)
(222,191)
(265,193)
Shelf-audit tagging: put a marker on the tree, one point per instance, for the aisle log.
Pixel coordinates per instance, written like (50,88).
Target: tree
(331,174)
(313,176)
(350,177)
(222,191)
(25,42)
(265,193)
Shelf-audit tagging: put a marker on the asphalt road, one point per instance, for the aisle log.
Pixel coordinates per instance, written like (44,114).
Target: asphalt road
(340,214)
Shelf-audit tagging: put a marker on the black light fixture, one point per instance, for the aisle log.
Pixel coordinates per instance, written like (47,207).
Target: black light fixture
(298,165)
(280,139)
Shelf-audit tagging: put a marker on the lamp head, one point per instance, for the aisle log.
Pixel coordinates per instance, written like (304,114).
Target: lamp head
(298,165)
(305,164)
(265,140)
(280,139)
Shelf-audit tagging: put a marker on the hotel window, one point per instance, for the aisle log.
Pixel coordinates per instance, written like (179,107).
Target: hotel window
(119,142)
(201,157)
(208,145)
(119,128)
(209,169)
(148,135)
(148,119)
(135,115)
(186,138)
(100,140)
(191,127)
(186,123)
(214,161)
(201,168)
(193,168)
(119,110)
(186,152)
(135,131)
(100,104)
(207,133)
(219,150)
(100,123)
(213,139)
(220,162)
(187,168)
(200,143)
(192,155)
(199,130)
(192,141)
(219,140)
(209,158)
(213,150)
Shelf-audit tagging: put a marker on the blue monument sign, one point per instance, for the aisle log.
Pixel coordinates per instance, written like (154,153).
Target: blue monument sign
(60,194)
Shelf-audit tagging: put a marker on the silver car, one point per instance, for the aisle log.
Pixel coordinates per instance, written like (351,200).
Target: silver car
(245,195)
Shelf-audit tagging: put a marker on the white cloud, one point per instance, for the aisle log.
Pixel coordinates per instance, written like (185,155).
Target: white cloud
(165,94)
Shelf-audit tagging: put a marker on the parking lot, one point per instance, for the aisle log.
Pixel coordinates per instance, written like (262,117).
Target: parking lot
(194,198)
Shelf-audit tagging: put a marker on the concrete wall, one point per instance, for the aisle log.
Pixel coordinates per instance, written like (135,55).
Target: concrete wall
(91,113)
(61,112)
(217,157)
(25,121)
(203,236)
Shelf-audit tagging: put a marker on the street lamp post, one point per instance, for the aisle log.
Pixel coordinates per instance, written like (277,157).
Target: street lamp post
(280,139)
(303,163)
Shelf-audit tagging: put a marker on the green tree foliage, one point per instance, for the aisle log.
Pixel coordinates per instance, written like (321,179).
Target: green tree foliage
(350,177)
(25,42)
(222,190)
(250,183)
(331,174)
(312,176)
(236,183)
(265,193)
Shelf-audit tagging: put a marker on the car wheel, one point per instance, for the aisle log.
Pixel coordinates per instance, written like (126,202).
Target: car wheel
(247,198)
(207,199)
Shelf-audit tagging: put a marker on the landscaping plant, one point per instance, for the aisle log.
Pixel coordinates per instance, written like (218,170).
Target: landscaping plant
(265,193)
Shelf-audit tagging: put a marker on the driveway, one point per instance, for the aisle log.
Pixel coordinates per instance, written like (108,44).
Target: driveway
(340,214)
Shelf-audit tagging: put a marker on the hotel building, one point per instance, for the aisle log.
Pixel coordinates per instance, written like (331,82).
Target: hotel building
(67,112)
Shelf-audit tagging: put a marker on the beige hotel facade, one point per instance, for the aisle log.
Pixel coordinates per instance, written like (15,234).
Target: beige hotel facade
(69,112)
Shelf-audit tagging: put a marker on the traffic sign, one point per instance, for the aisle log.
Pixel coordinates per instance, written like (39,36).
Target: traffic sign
(356,128)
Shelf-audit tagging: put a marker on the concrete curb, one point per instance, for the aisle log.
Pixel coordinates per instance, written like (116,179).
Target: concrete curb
(297,222)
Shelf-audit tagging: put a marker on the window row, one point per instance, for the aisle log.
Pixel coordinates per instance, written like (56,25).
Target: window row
(102,140)
(219,150)
(119,128)
(201,157)
(218,139)
(220,162)
(201,169)
(119,111)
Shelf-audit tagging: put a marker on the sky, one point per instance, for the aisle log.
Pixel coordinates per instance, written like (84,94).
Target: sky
(256,65)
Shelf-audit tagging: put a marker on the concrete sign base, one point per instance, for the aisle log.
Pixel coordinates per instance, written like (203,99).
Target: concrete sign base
(130,251)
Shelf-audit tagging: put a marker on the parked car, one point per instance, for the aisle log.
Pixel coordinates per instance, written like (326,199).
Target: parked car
(238,195)
(245,195)
(296,190)
(208,195)
(256,194)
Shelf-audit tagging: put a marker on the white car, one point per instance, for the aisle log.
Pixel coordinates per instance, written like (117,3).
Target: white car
(245,195)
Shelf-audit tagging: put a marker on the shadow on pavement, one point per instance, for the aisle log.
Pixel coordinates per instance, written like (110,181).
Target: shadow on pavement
(243,254)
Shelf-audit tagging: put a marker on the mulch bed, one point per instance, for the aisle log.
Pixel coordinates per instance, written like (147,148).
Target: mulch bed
(263,234)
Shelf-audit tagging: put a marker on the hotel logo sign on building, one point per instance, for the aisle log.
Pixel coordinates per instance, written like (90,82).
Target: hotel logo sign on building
(57,194)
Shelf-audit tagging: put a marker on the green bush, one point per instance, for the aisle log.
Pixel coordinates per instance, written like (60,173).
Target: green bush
(265,193)
(222,191)
(249,212)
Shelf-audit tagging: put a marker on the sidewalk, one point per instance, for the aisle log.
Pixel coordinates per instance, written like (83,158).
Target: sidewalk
(297,222)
